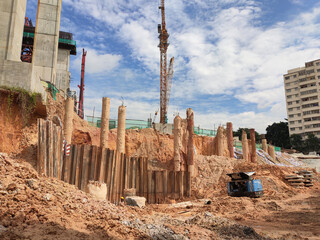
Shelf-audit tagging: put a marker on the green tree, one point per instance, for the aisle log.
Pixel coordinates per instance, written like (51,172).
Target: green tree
(278,134)
(312,143)
(296,142)
(238,133)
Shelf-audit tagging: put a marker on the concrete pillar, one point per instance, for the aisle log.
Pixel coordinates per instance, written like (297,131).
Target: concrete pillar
(105,116)
(245,146)
(177,132)
(264,145)
(68,120)
(272,152)
(12,13)
(46,40)
(220,141)
(230,139)
(190,153)
(253,146)
(121,129)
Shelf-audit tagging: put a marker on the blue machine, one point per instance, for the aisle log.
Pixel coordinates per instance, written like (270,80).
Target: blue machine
(242,184)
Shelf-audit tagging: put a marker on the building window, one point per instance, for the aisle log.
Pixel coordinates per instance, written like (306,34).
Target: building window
(300,128)
(291,122)
(291,116)
(294,76)
(318,77)
(298,101)
(288,90)
(299,114)
(292,129)
(288,84)
(287,77)
(289,96)
(298,108)
(318,70)
(289,103)
(318,63)
(308,91)
(310,71)
(290,109)
(299,121)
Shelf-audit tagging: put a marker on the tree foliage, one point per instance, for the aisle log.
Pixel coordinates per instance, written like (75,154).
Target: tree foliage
(238,133)
(278,134)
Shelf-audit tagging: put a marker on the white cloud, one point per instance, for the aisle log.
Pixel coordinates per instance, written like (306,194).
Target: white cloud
(97,63)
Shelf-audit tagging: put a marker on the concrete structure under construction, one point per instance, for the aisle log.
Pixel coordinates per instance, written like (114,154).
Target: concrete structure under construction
(302,91)
(47,57)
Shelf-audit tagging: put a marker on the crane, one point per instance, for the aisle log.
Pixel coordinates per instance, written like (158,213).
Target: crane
(83,64)
(165,75)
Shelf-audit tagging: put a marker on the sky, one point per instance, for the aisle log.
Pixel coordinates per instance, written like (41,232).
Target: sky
(230,55)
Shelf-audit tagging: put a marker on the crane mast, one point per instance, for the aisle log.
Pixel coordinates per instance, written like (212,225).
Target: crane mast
(163,45)
(80,105)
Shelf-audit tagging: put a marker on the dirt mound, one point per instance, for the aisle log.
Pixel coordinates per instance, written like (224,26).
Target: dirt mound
(211,179)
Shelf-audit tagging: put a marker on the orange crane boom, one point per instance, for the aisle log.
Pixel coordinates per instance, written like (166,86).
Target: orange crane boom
(164,86)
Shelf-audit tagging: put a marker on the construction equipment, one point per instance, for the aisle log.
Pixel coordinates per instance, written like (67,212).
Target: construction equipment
(80,105)
(165,85)
(243,184)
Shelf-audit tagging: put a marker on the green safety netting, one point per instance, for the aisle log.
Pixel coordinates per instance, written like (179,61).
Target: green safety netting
(61,40)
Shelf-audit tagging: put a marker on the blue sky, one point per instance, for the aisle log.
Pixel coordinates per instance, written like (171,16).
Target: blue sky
(230,55)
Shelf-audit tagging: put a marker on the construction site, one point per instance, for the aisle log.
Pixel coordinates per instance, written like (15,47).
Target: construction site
(62,177)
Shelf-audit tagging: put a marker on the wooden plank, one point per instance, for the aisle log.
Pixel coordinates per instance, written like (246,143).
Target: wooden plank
(149,198)
(93,161)
(181,174)
(102,171)
(98,164)
(187,184)
(176,185)
(165,184)
(44,143)
(40,146)
(50,149)
(170,180)
(79,166)
(153,187)
(141,191)
(159,187)
(145,177)
(105,171)
(126,176)
(58,150)
(73,158)
(61,155)
(137,175)
(130,185)
(54,152)
(85,167)
(134,165)
(109,174)
(113,179)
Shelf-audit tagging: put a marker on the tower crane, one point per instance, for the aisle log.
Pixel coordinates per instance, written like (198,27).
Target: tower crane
(165,74)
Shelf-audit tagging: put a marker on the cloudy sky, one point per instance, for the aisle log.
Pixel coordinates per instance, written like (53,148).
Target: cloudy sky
(230,55)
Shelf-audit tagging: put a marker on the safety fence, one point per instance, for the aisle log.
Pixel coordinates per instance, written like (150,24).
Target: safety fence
(238,144)
(118,171)
(140,124)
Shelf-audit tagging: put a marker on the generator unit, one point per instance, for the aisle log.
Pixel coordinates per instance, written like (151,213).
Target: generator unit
(243,184)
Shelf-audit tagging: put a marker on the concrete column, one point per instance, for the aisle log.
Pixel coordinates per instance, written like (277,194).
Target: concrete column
(105,116)
(272,152)
(68,120)
(46,40)
(264,145)
(12,13)
(177,132)
(190,123)
(220,141)
(121,129)
(230,138)
(245,146)
(253,146)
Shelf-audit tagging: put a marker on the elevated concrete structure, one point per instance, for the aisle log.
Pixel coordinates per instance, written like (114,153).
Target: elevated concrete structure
(46,40)
(48,63)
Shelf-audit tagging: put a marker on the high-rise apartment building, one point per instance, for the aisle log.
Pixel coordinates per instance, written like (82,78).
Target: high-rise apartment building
(302,90)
